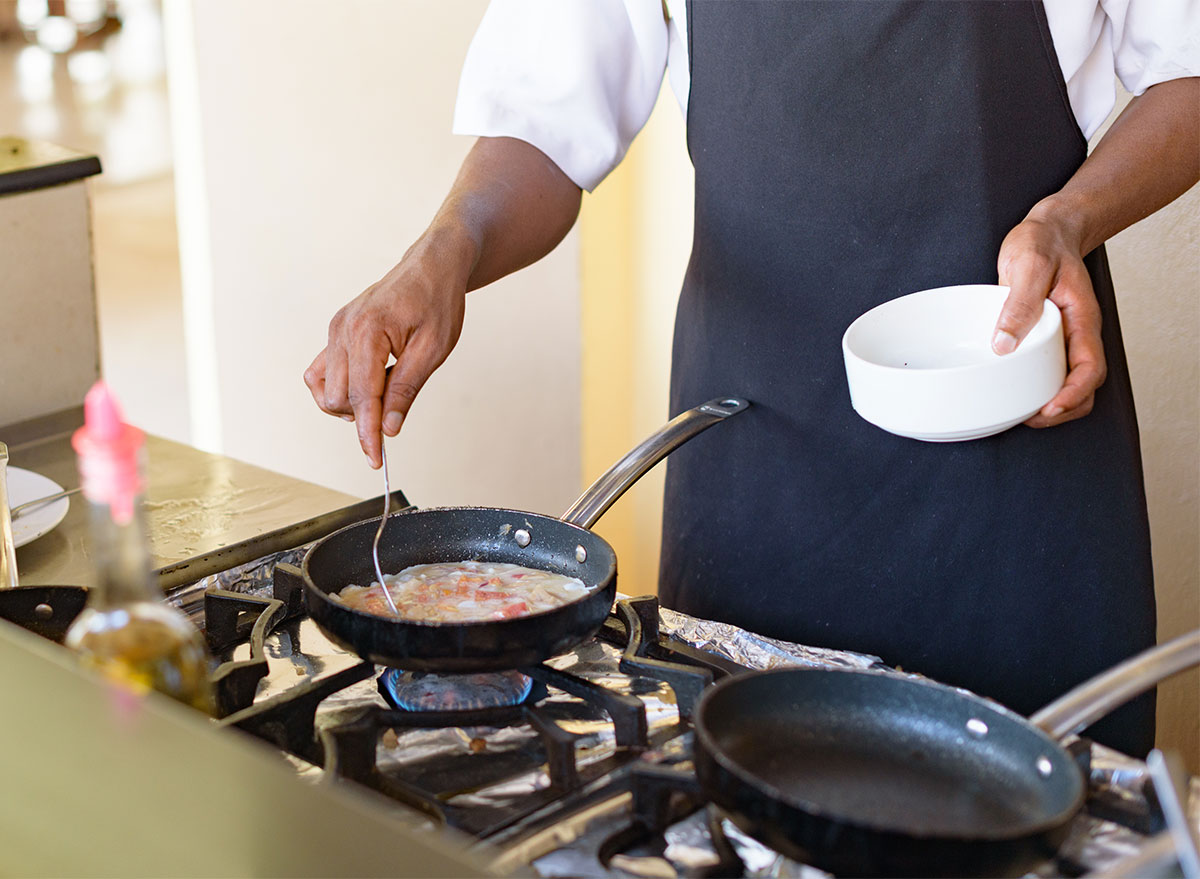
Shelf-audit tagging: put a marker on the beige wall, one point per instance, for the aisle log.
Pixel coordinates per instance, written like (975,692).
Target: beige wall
(1156,269)
(635,239)
(314,146)
(635,233)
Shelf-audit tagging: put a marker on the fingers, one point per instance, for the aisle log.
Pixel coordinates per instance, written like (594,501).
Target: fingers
(337,369)
(366,374)
(381,397)
(1086,366)
(415,314)
(314,378)
(407,378)
(1037,263)
(373,390)
(1030,277)
(1063,415)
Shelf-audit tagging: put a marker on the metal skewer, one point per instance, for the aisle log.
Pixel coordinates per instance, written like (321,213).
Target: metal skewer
(387,508)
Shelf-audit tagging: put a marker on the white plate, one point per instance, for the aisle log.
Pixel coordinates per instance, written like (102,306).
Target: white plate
(25,485)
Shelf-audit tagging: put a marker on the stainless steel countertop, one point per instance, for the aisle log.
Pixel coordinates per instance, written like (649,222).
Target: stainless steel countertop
(196,502)
(156,789)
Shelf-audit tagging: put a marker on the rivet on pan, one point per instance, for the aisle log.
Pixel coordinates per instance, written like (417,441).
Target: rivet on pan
(43,611)
(977,727)
(521,536)
(580,554)
(1044,766)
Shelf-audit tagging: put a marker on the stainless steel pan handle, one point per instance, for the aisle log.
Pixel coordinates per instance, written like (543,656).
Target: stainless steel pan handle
(604,492)
(1095,698)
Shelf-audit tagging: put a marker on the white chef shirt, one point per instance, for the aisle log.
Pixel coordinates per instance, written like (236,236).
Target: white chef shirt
(579,78)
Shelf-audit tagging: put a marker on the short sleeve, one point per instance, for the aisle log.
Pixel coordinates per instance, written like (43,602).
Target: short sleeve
(1154,40)
(1142,42)
(575,79)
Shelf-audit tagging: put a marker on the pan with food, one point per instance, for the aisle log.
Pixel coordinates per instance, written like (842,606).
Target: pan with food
(525,625)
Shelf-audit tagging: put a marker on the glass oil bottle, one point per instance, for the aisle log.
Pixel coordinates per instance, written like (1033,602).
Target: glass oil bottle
(127,632)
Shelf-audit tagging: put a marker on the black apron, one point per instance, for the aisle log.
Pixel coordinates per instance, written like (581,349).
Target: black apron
(847,153)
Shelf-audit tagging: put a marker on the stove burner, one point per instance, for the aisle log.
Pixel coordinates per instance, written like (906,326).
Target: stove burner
(421,691)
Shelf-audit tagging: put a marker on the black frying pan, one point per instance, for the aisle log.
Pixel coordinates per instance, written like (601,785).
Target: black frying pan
(867,774)
(563,546)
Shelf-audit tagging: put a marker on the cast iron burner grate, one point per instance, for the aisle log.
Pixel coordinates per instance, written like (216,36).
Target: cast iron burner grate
(660,795)
(349,749)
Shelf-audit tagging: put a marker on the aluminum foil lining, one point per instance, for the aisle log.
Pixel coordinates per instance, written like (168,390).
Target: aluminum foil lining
(755,651)
(253,577)
(1120,776)
(689,845)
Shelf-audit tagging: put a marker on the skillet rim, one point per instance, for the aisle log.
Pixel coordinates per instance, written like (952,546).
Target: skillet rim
(765,789)
(609,578)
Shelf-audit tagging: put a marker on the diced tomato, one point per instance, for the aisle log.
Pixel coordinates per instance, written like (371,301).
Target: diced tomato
(377,604)
(509,611)
(485,595)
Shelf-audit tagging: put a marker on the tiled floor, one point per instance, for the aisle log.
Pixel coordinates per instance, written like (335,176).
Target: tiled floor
(108,96)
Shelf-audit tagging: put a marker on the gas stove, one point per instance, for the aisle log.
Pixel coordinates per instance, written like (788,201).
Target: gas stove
(589,773)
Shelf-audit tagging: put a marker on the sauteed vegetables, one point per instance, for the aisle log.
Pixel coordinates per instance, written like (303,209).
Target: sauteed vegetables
(467,591)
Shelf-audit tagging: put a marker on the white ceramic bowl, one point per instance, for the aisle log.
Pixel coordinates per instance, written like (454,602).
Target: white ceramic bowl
(922,365)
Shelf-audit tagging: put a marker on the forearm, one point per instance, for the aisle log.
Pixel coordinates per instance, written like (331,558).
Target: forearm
(1149,157)
(509,206)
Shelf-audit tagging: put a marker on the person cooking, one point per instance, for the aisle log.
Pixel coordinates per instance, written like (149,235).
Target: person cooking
(845,153)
